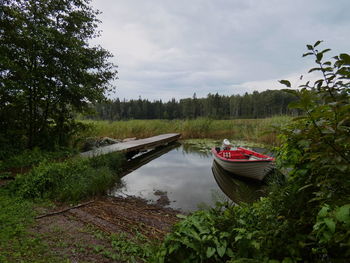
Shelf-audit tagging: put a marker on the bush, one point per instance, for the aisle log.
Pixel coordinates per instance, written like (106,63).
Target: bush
(72,180)
(28,158)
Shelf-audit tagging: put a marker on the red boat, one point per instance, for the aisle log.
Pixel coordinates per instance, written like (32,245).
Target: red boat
(243,162)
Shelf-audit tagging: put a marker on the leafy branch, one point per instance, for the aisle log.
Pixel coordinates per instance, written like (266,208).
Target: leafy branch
(325,101)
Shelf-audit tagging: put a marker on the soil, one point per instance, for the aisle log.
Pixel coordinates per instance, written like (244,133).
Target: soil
(68,235)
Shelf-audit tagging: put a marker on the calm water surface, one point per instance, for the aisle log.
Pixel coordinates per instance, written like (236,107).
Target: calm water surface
(188,176)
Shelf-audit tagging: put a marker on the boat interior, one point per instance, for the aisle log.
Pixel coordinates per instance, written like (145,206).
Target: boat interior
(240,154)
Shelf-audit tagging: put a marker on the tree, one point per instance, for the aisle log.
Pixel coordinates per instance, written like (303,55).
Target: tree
(48,70)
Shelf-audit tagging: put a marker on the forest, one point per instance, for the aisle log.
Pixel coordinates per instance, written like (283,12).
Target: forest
(255,105)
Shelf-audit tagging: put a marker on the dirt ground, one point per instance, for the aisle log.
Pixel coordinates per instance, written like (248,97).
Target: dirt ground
(75,234)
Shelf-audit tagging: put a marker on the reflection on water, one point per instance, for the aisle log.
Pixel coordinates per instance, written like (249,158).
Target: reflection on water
(187,175)
(238,189)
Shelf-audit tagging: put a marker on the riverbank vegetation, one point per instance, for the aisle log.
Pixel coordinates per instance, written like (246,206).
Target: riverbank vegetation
(71,180)
(54,183)
(256,130)
(305,218)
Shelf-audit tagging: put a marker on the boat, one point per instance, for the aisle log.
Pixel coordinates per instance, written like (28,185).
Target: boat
(243,162)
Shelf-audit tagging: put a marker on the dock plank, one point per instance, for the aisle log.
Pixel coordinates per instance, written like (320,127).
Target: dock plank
(135,145)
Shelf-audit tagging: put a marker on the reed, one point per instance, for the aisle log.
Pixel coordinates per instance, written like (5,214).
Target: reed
(255,130)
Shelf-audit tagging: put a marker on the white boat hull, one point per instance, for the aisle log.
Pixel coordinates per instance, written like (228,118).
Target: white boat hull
(252,169)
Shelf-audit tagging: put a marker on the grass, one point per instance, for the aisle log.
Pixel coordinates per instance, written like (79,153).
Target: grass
(16,243)
(69,180)
(255,130)
(124,248)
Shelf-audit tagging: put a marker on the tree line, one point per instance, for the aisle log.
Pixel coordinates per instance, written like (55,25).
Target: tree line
(255,105)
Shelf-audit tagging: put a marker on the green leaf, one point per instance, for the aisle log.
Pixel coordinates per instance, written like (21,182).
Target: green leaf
(221,250)
(345,58)
(318,42)
(229,252)
(238,237)
(319,56)
(310,47)
(210,252)
(324,211)
(330,224)
(255,244)
(314,69)
(342,214)
(307,54)
(285,82)
(325,51)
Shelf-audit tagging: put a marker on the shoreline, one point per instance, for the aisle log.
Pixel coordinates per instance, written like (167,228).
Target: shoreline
(83,227)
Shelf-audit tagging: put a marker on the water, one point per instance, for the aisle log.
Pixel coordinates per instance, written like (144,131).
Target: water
(186,176)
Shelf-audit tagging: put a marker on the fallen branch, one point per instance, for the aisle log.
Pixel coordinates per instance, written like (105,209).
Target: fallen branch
(64,210)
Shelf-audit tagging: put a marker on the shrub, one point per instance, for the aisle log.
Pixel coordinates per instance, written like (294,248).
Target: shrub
(72,180)
(28,158)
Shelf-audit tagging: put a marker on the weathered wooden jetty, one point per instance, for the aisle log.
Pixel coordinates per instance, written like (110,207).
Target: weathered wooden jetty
(135,146)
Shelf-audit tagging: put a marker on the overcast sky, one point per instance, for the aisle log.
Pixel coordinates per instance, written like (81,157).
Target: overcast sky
(173,48)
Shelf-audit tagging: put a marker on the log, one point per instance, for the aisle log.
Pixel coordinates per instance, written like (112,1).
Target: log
(64,210)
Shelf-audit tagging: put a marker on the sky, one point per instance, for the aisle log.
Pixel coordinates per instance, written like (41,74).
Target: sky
(168,49)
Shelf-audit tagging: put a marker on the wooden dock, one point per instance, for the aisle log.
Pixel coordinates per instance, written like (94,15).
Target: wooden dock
(135,145)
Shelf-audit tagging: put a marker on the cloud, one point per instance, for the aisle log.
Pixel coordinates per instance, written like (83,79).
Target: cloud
(168,49)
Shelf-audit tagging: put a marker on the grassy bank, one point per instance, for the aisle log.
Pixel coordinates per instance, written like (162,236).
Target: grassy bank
(255,130)
(44,181)
(70,180)
(62,237)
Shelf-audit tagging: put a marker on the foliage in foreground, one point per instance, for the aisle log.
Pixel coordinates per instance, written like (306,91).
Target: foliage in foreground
(306,219)
(259,232)
(70,180)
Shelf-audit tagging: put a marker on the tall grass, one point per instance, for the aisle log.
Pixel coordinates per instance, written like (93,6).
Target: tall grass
(256,130)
